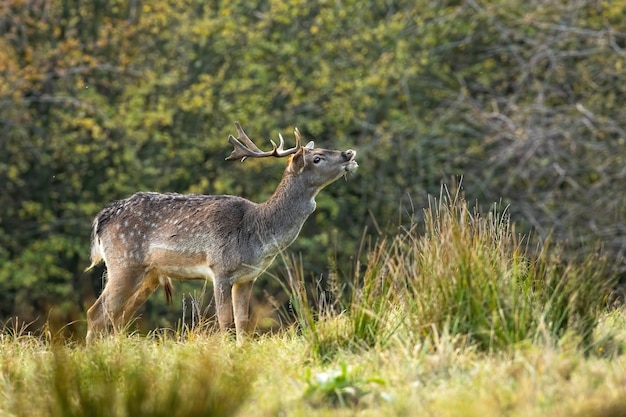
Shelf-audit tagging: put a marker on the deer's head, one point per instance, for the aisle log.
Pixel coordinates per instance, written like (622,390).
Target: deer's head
(319,167)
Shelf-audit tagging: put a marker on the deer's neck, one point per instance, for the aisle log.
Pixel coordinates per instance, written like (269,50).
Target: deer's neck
(284,213)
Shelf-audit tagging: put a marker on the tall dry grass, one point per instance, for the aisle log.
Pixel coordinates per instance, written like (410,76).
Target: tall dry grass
(466,272)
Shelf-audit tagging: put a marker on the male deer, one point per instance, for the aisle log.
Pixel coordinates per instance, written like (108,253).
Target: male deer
(149,238)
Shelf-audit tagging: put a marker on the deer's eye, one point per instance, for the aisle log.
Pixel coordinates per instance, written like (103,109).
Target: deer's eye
(316,159)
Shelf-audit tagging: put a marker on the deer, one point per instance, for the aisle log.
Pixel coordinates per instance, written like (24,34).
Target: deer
(150,238)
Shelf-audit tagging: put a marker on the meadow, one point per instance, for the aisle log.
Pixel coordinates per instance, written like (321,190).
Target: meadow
(455,316)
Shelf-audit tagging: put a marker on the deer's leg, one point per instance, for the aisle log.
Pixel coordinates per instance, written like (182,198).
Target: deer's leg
(241,304)
(222,290)
(96,319)
(148,285)
(109,307)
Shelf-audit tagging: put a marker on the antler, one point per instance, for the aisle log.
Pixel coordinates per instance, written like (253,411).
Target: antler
(249,149)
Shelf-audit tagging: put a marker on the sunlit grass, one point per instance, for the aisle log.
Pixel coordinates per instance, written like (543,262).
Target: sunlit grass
(122,376)
(272,375)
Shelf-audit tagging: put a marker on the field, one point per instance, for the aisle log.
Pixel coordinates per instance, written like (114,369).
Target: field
(457,316)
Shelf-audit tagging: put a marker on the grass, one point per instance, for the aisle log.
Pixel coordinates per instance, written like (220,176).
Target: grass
(122,376)
(274,375)
(457,316)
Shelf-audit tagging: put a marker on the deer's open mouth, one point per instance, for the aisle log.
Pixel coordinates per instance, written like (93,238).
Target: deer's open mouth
(351,165)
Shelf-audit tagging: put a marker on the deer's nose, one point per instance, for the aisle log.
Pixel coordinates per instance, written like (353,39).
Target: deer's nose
(349,154)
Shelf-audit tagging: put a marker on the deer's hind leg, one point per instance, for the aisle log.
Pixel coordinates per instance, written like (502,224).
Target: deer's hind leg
(126,289)
(149,284)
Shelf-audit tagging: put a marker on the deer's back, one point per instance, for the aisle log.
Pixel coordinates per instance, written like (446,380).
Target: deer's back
(171,212)
(148,228)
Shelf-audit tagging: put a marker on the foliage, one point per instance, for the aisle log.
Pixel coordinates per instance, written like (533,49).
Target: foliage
(102,99)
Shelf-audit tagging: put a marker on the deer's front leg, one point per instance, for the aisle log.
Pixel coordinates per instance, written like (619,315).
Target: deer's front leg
(241,302)
(222,291)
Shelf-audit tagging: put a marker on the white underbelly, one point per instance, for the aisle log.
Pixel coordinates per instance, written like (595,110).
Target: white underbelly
(201,271)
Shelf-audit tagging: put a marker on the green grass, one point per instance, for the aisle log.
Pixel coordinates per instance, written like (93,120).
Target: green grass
(273,375)
(456,316)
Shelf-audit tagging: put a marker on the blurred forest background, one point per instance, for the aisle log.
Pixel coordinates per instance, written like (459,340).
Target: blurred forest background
(100,99)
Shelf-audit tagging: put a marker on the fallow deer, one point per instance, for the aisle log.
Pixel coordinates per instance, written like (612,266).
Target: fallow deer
(149,238)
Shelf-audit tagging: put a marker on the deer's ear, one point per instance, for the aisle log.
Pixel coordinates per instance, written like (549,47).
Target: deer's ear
(310,145)
(296,165)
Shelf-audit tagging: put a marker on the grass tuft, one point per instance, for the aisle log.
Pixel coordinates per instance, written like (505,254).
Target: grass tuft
(476,276)
(465,272)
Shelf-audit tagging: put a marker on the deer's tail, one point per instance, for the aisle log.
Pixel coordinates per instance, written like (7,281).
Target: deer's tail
(96,246)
